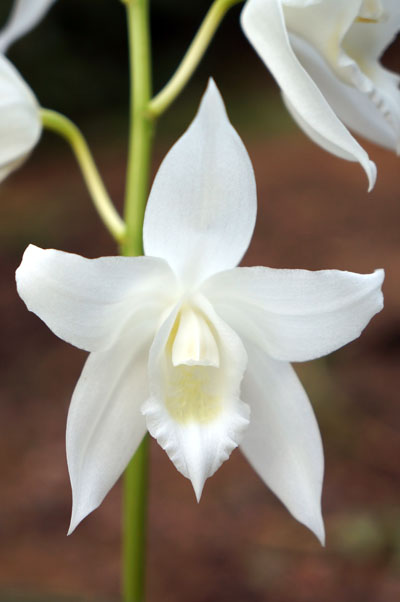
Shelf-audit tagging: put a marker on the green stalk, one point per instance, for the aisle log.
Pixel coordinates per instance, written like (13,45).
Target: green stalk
(192,58)
(140,144)
(64,127)
(134,523)
(142,125)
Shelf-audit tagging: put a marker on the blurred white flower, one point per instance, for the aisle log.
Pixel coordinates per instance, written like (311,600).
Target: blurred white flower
(24,16)
(325,54)
(20,123)
(188,346)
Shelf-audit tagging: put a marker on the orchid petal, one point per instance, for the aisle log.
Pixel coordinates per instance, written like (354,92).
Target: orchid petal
(105,425)
(282,442)
(202,206)
(315,137)
(25,15)
(296,315)
(324,26)
(264,24)
(353,107)
(364,43)
(194,410)
(368,40)
(87,302)
(20,125)
(350,36)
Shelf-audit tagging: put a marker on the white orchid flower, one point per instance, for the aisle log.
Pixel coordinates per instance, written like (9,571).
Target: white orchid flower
(20,123)
(188,346)
(325,54)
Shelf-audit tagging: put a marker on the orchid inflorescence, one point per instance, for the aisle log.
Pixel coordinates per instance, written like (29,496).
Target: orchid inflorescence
(183,343)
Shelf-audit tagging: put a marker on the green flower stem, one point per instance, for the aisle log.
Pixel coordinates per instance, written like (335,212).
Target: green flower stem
(134,525)
(142,125)
(192,58)
(67,129)
(140,144)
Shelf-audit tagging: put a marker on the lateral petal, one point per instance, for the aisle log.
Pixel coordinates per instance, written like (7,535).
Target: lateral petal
(282,442)
(296,315)
(194,411)
(202,206)
(87,302)
(25,15)
(105,425)
(264,25)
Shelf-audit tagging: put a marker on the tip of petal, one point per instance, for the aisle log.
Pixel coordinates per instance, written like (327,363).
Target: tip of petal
(70,530)
(371,173)
(72,526)
(198,486)
(212,96)
(319,532)
(197,474)
(76,518)
(316,524)
(211,87)
(79,513)
(380,274)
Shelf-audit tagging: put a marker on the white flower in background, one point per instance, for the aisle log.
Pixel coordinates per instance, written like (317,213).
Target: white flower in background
(24,16)
(325,54)
(20,123)
(188,346)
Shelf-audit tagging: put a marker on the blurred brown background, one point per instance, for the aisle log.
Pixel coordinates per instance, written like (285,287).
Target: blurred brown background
(239,543)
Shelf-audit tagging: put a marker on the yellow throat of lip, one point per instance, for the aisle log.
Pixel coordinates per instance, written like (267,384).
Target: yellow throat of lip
(190,396)
(193,392)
